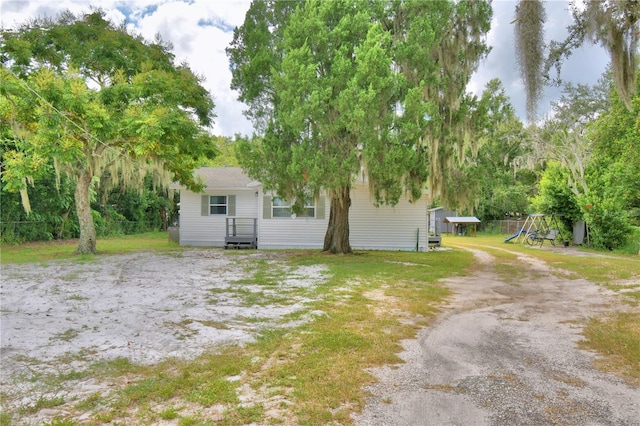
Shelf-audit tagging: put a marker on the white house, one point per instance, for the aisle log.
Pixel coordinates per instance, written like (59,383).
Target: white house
(233,208)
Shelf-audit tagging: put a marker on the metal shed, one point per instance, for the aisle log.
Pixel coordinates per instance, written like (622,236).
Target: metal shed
(436,221)
(462,225)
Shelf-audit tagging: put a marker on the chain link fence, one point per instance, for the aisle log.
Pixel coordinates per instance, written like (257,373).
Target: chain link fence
(507,227)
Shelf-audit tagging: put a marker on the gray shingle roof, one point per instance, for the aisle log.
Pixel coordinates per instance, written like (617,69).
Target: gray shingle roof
(223,177)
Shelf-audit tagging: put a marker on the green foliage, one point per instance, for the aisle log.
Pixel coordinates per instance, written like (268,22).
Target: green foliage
(122,211)
(52,216)
(565,139)
(633,242)
(614,174)
(98,102)
(377,91)
(503,200)
(226,152)
(595,172)
(615,137)
(607,221)
(503,185)
(555,195)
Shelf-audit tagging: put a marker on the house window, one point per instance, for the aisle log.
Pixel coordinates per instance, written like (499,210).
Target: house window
(218,204)
(282,208)
(309,209)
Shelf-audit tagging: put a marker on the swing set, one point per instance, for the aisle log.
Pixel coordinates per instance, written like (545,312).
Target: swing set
(537,229)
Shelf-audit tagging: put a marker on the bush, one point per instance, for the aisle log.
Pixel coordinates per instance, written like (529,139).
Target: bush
(633,242)
(23,231)
(609,228)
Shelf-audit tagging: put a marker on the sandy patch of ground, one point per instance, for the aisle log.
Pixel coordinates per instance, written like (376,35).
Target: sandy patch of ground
(504,352)
(65,315)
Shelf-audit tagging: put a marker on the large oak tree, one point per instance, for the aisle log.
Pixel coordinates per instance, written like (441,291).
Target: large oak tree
(100,104)
(341,89)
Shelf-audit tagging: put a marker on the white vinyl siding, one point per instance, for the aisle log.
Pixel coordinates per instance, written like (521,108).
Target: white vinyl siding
(385,227)
(200,229)
(389,228)
(291,232)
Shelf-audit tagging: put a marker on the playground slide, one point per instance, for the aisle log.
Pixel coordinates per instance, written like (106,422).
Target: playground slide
(518,232)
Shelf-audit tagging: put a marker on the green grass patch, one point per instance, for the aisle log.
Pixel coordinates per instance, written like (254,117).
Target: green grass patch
(61,422)
(202,381)
(632,245)
(43,403)
(66,336)
(617,337)
(64,249)
(168,414)
(597,267)
(635,295)
(5,418)
(263,273)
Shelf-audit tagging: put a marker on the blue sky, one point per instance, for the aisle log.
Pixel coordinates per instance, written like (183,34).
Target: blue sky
(201,29)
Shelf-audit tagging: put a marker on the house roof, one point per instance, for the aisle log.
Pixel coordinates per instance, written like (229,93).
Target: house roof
(462,219)
(221,178)
(435,209)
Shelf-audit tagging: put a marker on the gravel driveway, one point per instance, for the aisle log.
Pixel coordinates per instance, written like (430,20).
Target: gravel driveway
(505,353)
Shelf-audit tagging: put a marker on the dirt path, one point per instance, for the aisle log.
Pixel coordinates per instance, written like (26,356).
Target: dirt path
(504,353)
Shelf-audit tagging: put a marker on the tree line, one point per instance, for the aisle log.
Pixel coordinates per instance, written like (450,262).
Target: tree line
(96,121)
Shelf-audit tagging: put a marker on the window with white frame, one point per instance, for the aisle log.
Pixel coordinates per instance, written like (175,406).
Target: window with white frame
(217,204)
(282,208)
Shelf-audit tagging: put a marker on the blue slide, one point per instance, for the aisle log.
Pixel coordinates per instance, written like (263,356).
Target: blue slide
(520,231)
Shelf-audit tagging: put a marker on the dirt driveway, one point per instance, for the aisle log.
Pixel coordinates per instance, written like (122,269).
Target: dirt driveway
(505,353)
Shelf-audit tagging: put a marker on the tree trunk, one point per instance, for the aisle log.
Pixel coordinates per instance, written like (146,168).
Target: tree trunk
(87,242)
(336,240)
(60,232)
(163,217)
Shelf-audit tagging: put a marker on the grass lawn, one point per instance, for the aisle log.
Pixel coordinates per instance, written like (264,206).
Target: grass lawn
(50,250)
